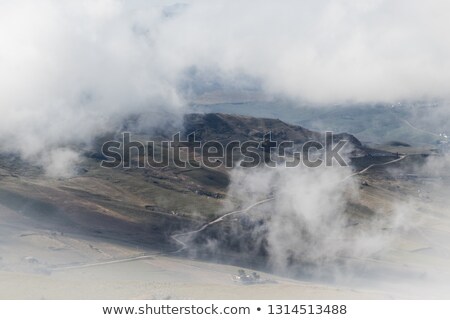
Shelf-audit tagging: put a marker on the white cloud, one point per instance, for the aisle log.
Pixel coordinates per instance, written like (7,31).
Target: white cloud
(307,228)
(71,69)
(323,51)
(60,163)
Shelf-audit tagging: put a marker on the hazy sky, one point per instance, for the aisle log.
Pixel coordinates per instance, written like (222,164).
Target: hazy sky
(69,69)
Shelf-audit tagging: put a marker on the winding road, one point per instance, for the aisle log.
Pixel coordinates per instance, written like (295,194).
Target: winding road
(176,237)
(179,235)
(374,165)
(183,245)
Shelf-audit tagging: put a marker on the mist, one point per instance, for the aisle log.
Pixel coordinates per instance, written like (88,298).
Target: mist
(74,70)
(309,231)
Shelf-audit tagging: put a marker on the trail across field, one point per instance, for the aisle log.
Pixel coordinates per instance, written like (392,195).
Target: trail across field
(177,237)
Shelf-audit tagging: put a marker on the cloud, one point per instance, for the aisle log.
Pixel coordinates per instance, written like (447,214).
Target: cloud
(321,51)
(72,70)
(60,163)
(307,228)
(312,229)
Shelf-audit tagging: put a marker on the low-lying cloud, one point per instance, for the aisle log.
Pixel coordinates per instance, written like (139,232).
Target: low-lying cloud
(72,70)
(307,228)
